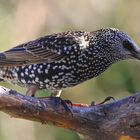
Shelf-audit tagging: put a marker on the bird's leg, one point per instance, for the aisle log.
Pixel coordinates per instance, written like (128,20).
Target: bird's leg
(56,93)
(31,90)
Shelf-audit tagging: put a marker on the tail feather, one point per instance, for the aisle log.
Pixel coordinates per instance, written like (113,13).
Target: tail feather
(10,59)
(2,56)
(4,61)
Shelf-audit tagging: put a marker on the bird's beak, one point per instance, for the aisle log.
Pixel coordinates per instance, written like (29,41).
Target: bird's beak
(136,55)
(136,51)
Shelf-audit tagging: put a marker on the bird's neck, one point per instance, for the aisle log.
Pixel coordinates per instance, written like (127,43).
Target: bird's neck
(92,65)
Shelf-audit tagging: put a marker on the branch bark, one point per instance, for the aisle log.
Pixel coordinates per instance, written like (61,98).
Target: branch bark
(100,122)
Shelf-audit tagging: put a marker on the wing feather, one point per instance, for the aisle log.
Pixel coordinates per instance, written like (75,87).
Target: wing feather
(45,49)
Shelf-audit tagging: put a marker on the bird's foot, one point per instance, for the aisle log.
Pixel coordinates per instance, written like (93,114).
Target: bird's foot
(109,98)
(67,104)
(64,103)
(104,101)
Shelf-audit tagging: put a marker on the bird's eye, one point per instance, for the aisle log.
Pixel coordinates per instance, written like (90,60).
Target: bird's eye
(127,45)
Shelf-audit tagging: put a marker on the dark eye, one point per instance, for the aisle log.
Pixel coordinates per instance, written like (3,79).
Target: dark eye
(127,45)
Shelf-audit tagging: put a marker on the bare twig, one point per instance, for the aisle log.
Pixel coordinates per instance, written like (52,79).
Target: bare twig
(100,122)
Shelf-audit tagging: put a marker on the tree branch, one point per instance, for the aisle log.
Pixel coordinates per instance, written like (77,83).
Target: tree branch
(100,122)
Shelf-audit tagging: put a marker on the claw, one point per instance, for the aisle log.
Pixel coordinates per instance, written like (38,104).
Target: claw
(64,103)
(68,102)
(104,101)
(107,99)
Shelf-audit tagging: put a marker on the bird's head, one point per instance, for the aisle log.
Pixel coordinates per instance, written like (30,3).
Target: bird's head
(118,44)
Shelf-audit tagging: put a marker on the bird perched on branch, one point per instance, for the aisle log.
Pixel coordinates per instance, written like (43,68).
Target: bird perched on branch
(63,60)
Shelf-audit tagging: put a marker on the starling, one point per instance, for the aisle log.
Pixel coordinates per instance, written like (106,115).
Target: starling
(63,60)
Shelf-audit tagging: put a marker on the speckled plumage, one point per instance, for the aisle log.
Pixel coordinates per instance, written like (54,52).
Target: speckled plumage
(66,59)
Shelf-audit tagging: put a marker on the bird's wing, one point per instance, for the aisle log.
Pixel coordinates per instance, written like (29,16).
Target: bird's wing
(45,49)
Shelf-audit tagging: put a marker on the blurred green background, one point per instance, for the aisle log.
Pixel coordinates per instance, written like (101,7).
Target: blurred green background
(24,20)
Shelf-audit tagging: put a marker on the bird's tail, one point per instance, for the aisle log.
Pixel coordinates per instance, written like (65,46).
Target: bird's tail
(10,60)
(18,56)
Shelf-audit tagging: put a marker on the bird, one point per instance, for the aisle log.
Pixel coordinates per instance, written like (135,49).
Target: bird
(63,60)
